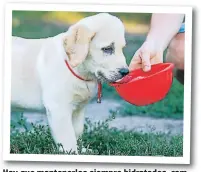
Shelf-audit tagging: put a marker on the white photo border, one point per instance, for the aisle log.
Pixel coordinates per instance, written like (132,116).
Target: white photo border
(97,8)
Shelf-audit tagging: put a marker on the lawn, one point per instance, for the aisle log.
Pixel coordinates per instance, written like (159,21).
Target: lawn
(98,137)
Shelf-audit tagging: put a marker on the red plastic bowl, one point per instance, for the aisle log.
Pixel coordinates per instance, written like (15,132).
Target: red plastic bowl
(143,88)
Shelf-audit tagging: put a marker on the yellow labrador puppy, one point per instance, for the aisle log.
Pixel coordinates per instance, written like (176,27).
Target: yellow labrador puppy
(41,79)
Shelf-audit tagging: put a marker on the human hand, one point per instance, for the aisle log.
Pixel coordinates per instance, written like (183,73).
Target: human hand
(149,53)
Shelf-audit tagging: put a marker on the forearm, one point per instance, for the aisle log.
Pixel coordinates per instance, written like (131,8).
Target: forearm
(163,28)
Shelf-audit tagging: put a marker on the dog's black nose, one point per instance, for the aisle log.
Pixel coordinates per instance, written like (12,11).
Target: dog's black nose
(123,71)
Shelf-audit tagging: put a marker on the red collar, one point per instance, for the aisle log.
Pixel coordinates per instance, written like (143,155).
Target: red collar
(79,77)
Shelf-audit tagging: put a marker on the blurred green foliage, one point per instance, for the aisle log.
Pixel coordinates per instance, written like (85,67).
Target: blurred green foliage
(30,24)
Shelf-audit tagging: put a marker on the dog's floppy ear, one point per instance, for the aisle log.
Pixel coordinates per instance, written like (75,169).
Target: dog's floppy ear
(76,43)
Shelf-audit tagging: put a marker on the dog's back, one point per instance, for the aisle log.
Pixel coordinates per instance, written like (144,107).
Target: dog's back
(25,88)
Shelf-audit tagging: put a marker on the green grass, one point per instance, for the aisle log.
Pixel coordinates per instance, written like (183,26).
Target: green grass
(99,140)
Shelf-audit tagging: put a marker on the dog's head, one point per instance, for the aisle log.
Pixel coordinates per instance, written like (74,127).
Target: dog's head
(97,43)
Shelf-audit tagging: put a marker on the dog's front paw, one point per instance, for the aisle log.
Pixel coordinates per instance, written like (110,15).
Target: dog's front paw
(86,150)
(67,151)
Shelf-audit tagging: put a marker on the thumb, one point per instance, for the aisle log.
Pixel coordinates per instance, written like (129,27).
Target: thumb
(146,63)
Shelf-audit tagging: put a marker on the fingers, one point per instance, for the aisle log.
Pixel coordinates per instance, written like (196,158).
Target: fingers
(145,56)
(140,60)
(146,64)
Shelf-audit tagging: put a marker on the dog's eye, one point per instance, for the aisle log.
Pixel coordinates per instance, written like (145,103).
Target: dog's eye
(108,50)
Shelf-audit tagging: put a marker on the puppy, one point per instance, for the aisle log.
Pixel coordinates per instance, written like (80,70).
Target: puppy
(40,78)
